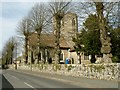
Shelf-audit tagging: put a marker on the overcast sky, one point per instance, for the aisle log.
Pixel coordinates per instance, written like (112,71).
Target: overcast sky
(11,12)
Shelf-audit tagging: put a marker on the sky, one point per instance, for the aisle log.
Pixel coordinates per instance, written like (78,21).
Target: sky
(11,13)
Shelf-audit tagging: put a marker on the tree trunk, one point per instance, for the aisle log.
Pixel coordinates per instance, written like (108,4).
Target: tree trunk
(39,33)
(11,60)
(12,49)
(6,63)
(26,50)
(38,48)
(57,40)
(104,38)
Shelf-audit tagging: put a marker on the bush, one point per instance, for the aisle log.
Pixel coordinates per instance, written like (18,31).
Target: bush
(115,59)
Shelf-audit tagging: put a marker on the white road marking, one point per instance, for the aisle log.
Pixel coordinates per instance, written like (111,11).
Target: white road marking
(29,85)
(14,77)
(61,79)
(5,75)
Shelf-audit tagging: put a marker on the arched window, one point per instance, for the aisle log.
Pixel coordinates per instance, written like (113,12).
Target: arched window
(39,56)
(73,22)
(62,56)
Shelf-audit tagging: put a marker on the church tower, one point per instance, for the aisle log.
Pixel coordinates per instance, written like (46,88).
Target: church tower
(69,27)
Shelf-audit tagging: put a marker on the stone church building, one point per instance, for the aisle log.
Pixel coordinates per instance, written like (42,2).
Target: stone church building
(69,29)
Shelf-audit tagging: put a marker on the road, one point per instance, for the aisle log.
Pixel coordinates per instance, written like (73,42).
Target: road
(36,81)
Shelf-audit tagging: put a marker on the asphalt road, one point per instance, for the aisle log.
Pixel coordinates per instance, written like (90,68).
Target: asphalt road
(35,81)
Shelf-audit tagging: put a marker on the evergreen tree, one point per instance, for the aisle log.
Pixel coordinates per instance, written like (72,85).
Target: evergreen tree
(115,39)
(90,38)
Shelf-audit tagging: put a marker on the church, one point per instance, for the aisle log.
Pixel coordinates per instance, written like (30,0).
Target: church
(69,28)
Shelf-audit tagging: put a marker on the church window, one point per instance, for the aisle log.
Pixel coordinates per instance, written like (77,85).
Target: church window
(61,56)
(73,22)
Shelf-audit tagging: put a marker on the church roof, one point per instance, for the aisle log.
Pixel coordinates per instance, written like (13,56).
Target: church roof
(47,40)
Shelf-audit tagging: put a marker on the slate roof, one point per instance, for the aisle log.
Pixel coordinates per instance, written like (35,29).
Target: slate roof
(47,40)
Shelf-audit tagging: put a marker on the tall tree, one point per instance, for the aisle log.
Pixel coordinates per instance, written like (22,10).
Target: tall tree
(12,45)
(106,11)
(8,51)
(24,30)
(92,44)
(104,31)
(115,39)
(84,9)
(58,9)
(39,20)
(89,37)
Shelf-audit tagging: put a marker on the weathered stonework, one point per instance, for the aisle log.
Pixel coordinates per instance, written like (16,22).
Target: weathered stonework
(50,43)
(108,71)
(69,27)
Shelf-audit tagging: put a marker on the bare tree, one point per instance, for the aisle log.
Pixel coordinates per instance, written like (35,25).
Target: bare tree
(8,51)
(106,12)
(58,9)
(24,30)
(104,38)
(84,9)
(39,20)
(12,46)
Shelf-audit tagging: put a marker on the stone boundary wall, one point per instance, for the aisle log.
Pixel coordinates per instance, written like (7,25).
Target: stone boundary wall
(109,71)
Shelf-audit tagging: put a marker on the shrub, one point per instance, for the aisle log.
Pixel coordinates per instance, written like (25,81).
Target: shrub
(115,59)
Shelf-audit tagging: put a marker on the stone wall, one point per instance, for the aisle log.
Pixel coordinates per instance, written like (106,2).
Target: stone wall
(97,71)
